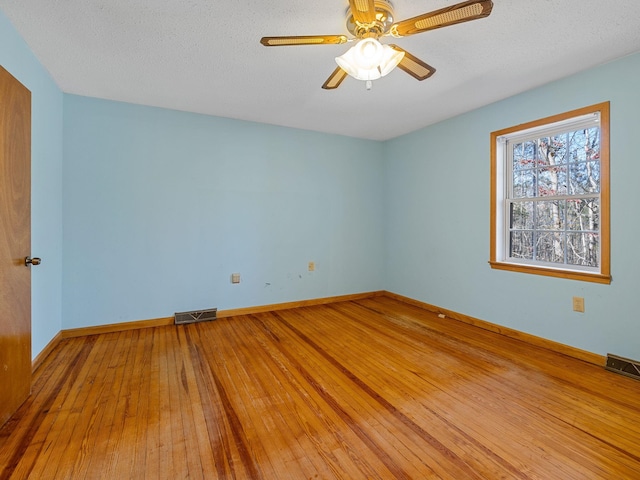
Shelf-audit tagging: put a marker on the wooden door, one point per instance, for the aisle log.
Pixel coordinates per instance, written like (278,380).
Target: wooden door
(15,244)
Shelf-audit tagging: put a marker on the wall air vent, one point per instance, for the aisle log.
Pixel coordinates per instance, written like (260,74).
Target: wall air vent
(624,366)
(196,316)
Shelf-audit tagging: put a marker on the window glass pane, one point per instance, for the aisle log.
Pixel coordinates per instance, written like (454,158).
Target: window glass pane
(576,147)
(550,247)
(552,181)
(549,215)
(583,145)
(545,152)
(592,142)
(584,177)
(521,245)
(523,183)
(583,249)
(523,155)
(558,150)
(522,215)
(583,214)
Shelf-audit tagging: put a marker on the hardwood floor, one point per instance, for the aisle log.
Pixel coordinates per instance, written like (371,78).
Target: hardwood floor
(373,388)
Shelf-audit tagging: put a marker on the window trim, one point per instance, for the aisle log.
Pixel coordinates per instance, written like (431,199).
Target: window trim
(497,175)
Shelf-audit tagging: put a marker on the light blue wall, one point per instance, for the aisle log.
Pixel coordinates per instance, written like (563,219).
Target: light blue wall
(161,207)
(46,183)
(438,219)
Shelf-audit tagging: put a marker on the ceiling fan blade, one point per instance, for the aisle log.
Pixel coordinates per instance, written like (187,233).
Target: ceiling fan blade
(413,65)
(335,79)
(363,11)
(303,40)
(461,12)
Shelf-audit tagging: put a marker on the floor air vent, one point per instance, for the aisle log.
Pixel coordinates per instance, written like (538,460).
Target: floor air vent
(196,316)
(627,367)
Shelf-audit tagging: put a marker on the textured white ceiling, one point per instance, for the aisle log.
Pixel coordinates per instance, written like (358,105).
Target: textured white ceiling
(205,56)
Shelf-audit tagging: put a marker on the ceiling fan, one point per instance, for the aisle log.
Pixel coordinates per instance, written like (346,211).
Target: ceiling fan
(370,20)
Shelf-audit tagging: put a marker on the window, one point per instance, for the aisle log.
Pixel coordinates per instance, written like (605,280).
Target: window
(550,196)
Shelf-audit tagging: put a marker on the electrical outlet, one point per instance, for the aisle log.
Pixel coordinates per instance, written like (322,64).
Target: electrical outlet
(578,304)
(312,266)
(235,278)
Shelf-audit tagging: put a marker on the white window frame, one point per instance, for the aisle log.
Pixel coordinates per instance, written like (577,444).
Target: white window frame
(502,194)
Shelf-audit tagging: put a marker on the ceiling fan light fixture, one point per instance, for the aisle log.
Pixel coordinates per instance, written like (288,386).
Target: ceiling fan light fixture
(369,20)
(369,59)
(366,74)
(390,59)
(366,54)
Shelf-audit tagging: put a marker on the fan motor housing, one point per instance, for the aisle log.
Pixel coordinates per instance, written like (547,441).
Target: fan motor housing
(382,24)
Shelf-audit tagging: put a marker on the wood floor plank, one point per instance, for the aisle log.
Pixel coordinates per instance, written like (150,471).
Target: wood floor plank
(302,419)
(572,381)
(167,414)
(367,388)
(394,421)
(560,445)
(218,431)
(22,438)
(86,430)
(142,384)
(195,412)
(378,368)
(54,425)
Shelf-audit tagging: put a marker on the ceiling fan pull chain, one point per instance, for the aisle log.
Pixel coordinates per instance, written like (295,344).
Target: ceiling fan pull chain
(368,84)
